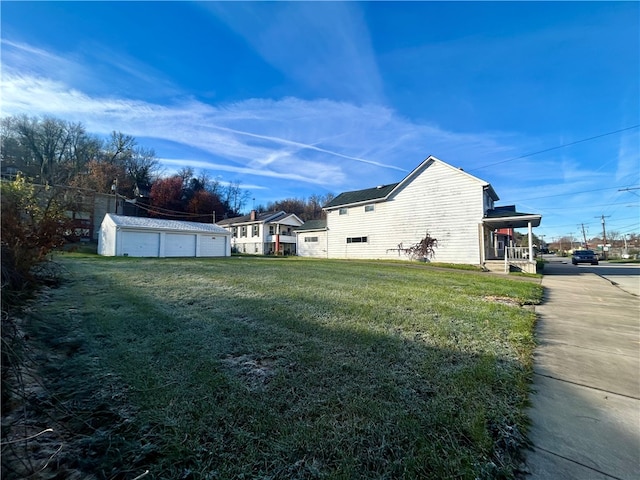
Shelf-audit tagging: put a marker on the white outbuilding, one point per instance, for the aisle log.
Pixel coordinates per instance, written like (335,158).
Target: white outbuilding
(150,237)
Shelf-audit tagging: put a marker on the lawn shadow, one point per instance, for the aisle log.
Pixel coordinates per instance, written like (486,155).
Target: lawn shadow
(284,387)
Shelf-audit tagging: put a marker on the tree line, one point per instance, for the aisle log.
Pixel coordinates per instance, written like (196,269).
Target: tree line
(55,152)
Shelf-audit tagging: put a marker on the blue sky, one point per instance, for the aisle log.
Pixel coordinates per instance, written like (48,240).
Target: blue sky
(301,98)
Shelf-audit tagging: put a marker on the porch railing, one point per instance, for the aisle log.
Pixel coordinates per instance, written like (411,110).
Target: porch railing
(516,256)
(517,253)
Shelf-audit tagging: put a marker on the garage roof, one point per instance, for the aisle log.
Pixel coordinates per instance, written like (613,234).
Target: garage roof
(157,224)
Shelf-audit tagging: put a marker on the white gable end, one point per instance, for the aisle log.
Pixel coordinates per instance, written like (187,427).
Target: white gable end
(435,198)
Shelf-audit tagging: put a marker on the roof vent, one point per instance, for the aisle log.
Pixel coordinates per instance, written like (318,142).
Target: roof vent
(380,186)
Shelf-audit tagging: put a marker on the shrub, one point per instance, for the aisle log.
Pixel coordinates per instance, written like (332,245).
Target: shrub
(33,223)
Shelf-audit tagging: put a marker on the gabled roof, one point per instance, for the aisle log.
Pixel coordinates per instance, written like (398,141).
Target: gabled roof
(359,196)
(260,217)
(383,192)
(158,224)
(310,225)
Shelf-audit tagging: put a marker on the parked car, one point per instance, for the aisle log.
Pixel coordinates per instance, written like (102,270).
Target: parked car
(584,256)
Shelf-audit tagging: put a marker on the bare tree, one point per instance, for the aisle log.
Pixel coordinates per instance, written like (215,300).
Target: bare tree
(119,148)
(142,166)
(48,149)
(234,198)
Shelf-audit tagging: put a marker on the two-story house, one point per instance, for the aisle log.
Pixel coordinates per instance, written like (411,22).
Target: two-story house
(263,233)
(448,204)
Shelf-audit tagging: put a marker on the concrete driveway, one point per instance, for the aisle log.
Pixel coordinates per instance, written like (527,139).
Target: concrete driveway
(586,403)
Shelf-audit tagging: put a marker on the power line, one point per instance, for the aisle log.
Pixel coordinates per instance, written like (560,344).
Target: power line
(617,220)
(629,190)
(568,193)
(555,148)
(591,206)
(165,211)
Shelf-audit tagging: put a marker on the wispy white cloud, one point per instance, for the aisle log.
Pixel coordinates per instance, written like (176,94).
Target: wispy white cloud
(320,142)
(628,163)
(294,146)
(258,172)
(327,50)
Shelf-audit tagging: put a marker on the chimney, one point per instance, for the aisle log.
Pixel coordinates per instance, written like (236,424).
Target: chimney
(253,215)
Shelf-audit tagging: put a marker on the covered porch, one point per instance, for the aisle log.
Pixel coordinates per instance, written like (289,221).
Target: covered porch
(499,251)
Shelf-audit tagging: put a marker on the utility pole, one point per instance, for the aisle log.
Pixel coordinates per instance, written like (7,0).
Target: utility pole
(584,235)
(604,237)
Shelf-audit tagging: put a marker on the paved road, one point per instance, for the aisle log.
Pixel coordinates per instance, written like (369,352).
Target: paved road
(623,275)
(586,403)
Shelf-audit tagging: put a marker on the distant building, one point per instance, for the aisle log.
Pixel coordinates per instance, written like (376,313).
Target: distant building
(263,233)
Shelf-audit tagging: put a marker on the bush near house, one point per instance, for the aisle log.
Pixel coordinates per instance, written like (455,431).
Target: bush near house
(277,368)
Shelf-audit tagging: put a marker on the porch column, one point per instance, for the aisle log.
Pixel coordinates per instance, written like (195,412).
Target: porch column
(481,229)
(530,241)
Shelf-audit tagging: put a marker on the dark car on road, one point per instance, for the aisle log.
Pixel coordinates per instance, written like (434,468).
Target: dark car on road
(584,256)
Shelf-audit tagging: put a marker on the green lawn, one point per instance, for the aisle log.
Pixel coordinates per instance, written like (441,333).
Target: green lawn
(262,368)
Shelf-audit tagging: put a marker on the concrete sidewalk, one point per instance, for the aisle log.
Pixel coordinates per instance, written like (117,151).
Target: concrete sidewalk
(586,403)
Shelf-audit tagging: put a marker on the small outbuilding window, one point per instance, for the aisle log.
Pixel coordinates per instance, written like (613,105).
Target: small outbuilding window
(310,239)
(343,211)
(369,208)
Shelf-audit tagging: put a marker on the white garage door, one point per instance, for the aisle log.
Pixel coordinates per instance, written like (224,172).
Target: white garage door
(213,246)
(140,244)
(180,245)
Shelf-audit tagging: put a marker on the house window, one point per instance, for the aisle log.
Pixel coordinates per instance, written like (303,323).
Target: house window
(310,239)
(343,211)
(356,239)
(272,229)
(234,231)
(255,231)
(243,232)
(369,208)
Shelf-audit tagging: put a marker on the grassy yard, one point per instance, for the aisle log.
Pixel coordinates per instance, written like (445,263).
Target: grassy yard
(262,368)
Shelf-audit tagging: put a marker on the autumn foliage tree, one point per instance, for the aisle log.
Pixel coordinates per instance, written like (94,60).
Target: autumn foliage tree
(205,203)
(101,176)
(181,198)
(306,209)
(166,197)
(34,222)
